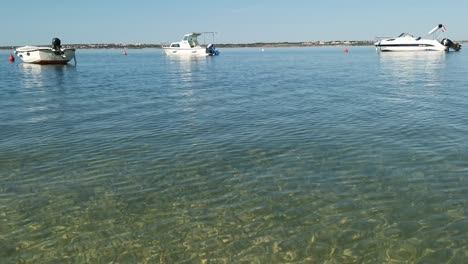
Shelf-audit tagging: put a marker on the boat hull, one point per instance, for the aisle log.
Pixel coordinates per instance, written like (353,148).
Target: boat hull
(410,48)
(185,52)
(427,45)
(38,55)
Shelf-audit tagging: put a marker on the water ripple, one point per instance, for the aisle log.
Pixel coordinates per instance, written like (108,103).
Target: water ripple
(288,155)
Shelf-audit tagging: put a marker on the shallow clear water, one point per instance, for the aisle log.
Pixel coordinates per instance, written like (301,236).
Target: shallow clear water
(298,155)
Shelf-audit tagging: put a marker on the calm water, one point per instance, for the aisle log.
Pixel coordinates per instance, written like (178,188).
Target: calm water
(300,155)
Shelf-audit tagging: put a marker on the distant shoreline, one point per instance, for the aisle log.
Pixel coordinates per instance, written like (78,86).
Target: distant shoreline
(221,45)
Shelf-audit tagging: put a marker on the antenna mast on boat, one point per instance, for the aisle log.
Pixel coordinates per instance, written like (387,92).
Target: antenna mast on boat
(212,35)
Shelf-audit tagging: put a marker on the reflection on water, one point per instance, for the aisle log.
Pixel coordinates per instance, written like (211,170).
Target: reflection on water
(185,66)
(36,75)
(44,89)
(186,74)
(408,67)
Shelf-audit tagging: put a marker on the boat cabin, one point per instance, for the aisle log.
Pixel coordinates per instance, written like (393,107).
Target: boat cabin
(189,41)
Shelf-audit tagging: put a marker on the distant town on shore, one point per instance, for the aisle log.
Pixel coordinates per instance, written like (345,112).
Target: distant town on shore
(221,45)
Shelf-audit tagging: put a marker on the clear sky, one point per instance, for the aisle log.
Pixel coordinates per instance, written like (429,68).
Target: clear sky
(237,21)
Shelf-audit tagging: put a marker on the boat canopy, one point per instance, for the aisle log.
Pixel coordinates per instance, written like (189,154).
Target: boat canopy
(186,36)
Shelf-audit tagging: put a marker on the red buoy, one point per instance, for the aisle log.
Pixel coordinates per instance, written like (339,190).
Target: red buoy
(346,50)
(11,58)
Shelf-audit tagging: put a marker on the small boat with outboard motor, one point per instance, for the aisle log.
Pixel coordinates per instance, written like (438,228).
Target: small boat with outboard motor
(407,42)
(54,54)
(189,46)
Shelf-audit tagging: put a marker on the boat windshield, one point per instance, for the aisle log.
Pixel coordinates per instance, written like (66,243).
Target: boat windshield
(192,40)
(405,35)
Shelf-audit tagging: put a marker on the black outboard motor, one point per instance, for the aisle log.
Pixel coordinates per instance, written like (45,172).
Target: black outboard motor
(212,50)
(448,43)
(56,46)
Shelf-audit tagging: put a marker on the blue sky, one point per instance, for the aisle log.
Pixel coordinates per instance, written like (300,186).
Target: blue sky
(237,21)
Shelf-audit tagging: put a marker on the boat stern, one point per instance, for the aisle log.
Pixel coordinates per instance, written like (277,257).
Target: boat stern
(450,44)
(211,50)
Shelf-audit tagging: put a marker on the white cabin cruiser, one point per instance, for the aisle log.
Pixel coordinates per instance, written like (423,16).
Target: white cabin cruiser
(46,55)
(189,46)
(407,42)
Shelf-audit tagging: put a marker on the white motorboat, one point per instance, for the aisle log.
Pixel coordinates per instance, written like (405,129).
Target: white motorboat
(407,42)
(189,46)
(46,55)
